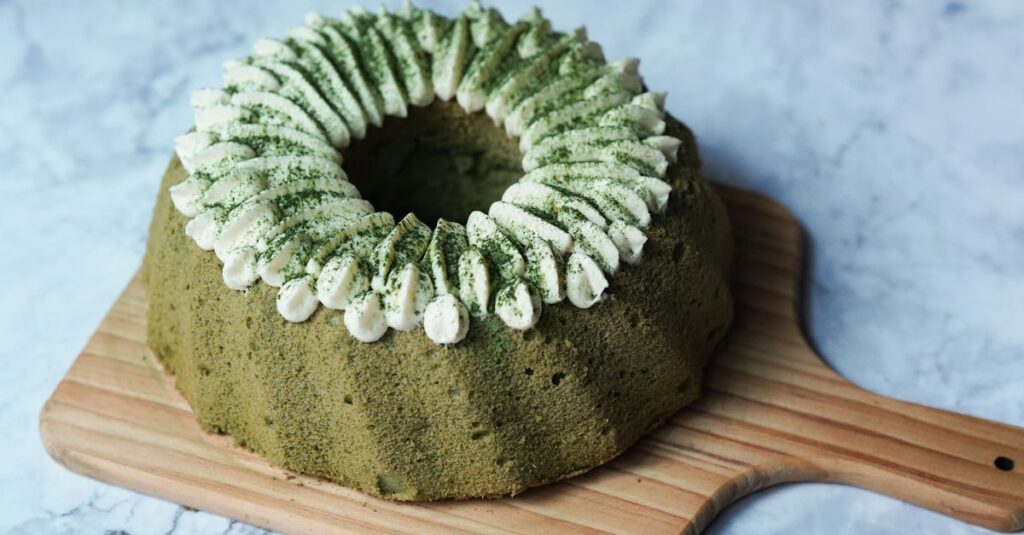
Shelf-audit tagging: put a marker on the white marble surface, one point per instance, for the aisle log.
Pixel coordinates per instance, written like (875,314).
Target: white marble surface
(894,130)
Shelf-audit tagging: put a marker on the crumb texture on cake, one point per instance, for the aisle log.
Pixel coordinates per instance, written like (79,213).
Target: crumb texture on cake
(406,419)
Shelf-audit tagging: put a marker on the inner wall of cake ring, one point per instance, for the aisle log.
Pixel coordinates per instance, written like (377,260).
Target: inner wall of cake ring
(439,162)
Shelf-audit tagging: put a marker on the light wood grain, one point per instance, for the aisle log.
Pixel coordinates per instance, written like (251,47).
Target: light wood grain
(773,412)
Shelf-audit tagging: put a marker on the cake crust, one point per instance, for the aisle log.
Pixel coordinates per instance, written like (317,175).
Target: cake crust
(406,419)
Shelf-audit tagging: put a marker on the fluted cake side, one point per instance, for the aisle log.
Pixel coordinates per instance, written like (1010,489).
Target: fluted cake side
(407,419)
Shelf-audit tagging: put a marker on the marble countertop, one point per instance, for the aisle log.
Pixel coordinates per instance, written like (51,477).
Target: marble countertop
(893,130)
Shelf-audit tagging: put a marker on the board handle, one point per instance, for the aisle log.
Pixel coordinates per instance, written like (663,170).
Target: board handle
(800,414)
(772,393)
(965,467)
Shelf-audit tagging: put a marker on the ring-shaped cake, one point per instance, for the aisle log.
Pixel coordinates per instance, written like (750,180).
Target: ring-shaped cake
(430,389)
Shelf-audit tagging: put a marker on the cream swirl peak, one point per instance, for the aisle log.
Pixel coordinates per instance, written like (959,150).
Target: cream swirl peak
(268,194)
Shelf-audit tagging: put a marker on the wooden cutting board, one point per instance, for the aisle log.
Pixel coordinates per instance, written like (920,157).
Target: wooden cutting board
(772,412)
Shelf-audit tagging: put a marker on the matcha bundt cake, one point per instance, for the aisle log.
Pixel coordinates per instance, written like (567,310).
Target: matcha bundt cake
(562,302)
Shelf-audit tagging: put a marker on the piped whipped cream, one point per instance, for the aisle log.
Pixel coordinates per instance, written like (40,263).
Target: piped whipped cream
(267,194)
(446,319)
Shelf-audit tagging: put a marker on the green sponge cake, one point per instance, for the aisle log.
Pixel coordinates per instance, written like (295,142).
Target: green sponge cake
(431,257)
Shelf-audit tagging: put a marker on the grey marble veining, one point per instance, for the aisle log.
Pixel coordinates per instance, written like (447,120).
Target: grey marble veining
(893,130)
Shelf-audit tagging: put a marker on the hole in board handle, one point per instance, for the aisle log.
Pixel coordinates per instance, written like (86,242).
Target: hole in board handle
(1003,463)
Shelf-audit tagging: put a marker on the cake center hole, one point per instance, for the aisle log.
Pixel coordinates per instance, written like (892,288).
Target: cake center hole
(437,162)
